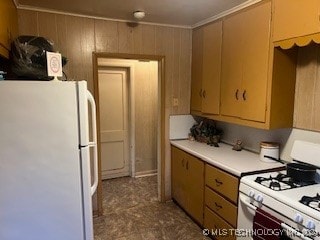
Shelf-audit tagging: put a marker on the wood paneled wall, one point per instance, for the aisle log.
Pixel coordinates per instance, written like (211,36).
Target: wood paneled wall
(146,113)
(307,96)
(78,37)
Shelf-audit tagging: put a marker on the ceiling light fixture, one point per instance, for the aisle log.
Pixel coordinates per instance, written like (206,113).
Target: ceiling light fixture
(139,14)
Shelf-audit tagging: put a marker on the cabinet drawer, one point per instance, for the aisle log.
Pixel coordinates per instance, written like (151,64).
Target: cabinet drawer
(221,206)
(222,182)
(217,226)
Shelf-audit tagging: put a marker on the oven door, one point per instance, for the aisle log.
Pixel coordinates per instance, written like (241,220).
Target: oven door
(246,213)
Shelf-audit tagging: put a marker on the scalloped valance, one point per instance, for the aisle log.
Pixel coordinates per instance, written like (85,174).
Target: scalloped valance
(298,41)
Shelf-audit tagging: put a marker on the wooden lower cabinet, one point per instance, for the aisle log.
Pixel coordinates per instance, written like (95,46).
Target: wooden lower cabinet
(178,173)
(222,182)
(194,188)
(221,206)
(208,194)
(221,198)
(187,179)
(217,226)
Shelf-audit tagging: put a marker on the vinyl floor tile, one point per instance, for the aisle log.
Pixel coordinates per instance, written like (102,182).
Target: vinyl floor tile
(132,212)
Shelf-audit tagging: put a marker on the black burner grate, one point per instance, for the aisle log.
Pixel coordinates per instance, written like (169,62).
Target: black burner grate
(313,202)
(281,182)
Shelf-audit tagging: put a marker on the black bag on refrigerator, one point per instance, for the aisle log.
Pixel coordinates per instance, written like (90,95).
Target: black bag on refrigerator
(28,54)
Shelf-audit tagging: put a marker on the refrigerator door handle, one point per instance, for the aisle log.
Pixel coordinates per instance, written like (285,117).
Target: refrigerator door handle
(93,144)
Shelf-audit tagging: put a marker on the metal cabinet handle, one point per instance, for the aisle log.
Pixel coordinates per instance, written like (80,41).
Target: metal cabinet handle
(218,182)
(244,95)
(236,94)
(204,93)
(187,165)
(218,207)
(200,93)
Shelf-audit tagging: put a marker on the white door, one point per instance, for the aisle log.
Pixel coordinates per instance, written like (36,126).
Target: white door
(113,106)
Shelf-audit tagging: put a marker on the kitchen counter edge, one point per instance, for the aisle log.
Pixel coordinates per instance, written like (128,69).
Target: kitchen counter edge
(227,159)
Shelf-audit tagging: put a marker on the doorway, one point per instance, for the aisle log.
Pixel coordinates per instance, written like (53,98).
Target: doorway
(136,163)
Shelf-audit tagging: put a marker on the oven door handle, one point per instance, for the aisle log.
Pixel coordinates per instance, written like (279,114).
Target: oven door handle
(294,232)
(249,205)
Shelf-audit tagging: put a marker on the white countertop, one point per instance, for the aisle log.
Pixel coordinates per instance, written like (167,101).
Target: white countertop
(237,163)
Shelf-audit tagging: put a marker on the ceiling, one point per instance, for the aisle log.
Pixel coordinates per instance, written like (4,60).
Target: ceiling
(169,12)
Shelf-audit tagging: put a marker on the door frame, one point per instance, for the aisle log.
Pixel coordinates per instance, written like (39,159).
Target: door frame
(161,115)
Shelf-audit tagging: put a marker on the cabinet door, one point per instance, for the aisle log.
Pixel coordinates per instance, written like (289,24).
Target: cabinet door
(232,63)
(255,62)
(8,25)
(212,40)
(196,71)
(4,26)
(178,176)
(195,188)
(295,18)
(13,23)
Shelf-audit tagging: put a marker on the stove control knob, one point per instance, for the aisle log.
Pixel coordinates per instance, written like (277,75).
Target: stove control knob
(298,218)
(251,193)
(259,198)
(311,224)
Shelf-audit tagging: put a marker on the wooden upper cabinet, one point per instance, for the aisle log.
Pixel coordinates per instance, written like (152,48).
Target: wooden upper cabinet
(295,18)
(256,62)
(245,59)
(8,26)
(212,41)
(196,71)
(206,67)
(256,81)
(232,65)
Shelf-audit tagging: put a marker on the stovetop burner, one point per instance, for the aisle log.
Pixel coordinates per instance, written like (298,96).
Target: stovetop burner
(313,202)
(281,182)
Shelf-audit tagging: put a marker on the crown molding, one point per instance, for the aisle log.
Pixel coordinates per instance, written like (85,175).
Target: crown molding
(201,23)
(39,9)
(225,13)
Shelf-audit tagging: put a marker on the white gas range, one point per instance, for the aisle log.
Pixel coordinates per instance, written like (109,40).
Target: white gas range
(272,206)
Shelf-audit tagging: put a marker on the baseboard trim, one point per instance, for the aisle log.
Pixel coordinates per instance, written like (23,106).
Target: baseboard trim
(146,173)
(114,175)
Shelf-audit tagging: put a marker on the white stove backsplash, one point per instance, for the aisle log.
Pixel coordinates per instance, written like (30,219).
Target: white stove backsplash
(180,126)
(251,137)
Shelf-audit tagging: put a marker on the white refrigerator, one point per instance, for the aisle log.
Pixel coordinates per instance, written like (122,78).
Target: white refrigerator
(45,167)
